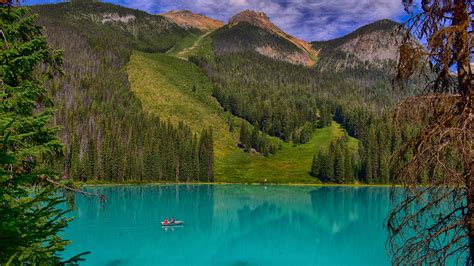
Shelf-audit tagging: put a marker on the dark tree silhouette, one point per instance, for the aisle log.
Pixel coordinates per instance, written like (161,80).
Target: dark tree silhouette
(435,223)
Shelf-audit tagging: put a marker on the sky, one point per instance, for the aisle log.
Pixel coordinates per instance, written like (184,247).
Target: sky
(309,20)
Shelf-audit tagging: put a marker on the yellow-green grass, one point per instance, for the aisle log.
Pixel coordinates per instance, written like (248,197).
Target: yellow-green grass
(291,164)
(183,45)
(164,84)
(194,46)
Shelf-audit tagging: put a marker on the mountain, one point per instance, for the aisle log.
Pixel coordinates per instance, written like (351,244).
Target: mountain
(374,44)
(107,134)
(188,19)
(260,19)
(254,31)
(124,26)
(131,108)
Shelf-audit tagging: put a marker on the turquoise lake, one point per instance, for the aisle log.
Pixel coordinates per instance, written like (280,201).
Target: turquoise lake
(232,225)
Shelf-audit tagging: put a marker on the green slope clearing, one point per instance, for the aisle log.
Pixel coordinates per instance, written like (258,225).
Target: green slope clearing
(179,91)
(291,164)
(192,45)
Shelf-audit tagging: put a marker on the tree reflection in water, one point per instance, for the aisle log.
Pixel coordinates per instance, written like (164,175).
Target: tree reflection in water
(233,224)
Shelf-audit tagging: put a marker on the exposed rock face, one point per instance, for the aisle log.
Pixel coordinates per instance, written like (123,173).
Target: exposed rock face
(375,44)
(188,19)
(294,58)
(306,56)
(258,19)
(114,17)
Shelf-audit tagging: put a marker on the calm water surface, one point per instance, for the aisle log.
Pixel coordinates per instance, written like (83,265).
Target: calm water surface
(232,225)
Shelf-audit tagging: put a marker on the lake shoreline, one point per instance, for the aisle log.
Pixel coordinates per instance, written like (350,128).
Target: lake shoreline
(99,184)
(261,225)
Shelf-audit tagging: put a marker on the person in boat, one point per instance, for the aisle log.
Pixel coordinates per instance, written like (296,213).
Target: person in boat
(166,221)
(173,220)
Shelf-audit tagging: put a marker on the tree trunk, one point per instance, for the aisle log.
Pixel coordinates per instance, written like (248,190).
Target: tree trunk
(462,51)
(177,171)
(465,88)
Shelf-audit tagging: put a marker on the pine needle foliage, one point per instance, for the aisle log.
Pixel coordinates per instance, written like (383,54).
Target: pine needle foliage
(30,220)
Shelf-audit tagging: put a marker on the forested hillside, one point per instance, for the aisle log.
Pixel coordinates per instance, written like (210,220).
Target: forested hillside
(178,91)
(107,134)
(290,101)
(272,117)
(251,31)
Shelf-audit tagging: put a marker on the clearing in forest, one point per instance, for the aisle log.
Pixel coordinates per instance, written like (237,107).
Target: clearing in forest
(178,91)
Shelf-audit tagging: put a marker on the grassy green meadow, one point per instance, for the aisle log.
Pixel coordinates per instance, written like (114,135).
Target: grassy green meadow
(194,46)
(179,91)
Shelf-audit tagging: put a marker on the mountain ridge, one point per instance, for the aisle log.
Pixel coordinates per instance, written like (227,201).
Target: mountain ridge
(188,19)
(261,19)
(130,27)
(294,103)
(254,31)
(374,43)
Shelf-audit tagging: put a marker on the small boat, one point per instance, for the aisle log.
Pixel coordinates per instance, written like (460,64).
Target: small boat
(175,223)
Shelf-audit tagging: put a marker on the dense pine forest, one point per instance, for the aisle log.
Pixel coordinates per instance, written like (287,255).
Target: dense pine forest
(337,166)
(290,101)
(106,133)
(94,93)
(251,138)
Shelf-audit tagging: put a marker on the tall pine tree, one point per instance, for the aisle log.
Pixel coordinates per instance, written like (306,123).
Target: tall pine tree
(30,222)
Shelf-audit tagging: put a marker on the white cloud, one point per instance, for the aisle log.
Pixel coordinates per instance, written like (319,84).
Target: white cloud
(238,2)
(307,19)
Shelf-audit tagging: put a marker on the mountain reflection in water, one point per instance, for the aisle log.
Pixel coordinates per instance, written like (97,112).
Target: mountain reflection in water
(232,224)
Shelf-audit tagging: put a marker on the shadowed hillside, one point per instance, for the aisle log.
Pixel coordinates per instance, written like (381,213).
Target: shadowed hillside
(373,45)
(107,135)
(253,31)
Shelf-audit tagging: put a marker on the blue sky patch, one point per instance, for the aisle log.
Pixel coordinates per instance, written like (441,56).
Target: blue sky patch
(307,19)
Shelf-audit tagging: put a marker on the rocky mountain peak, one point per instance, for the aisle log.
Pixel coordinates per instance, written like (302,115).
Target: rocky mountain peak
(307,55)
(375,44)
(259,19)
(187,19)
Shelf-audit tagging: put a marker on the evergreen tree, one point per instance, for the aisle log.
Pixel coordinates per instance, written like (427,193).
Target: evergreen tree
(252,138)
(92,158)
(196,167)
(231,124)
(339,164)
(330,163)
(210,156)
(106,172)
(74,155)
(348,164)
(203,157)
(385,167)
(316,165)
(30,222)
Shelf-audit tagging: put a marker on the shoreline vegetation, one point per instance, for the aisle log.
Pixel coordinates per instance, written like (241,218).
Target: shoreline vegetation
(142,183)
